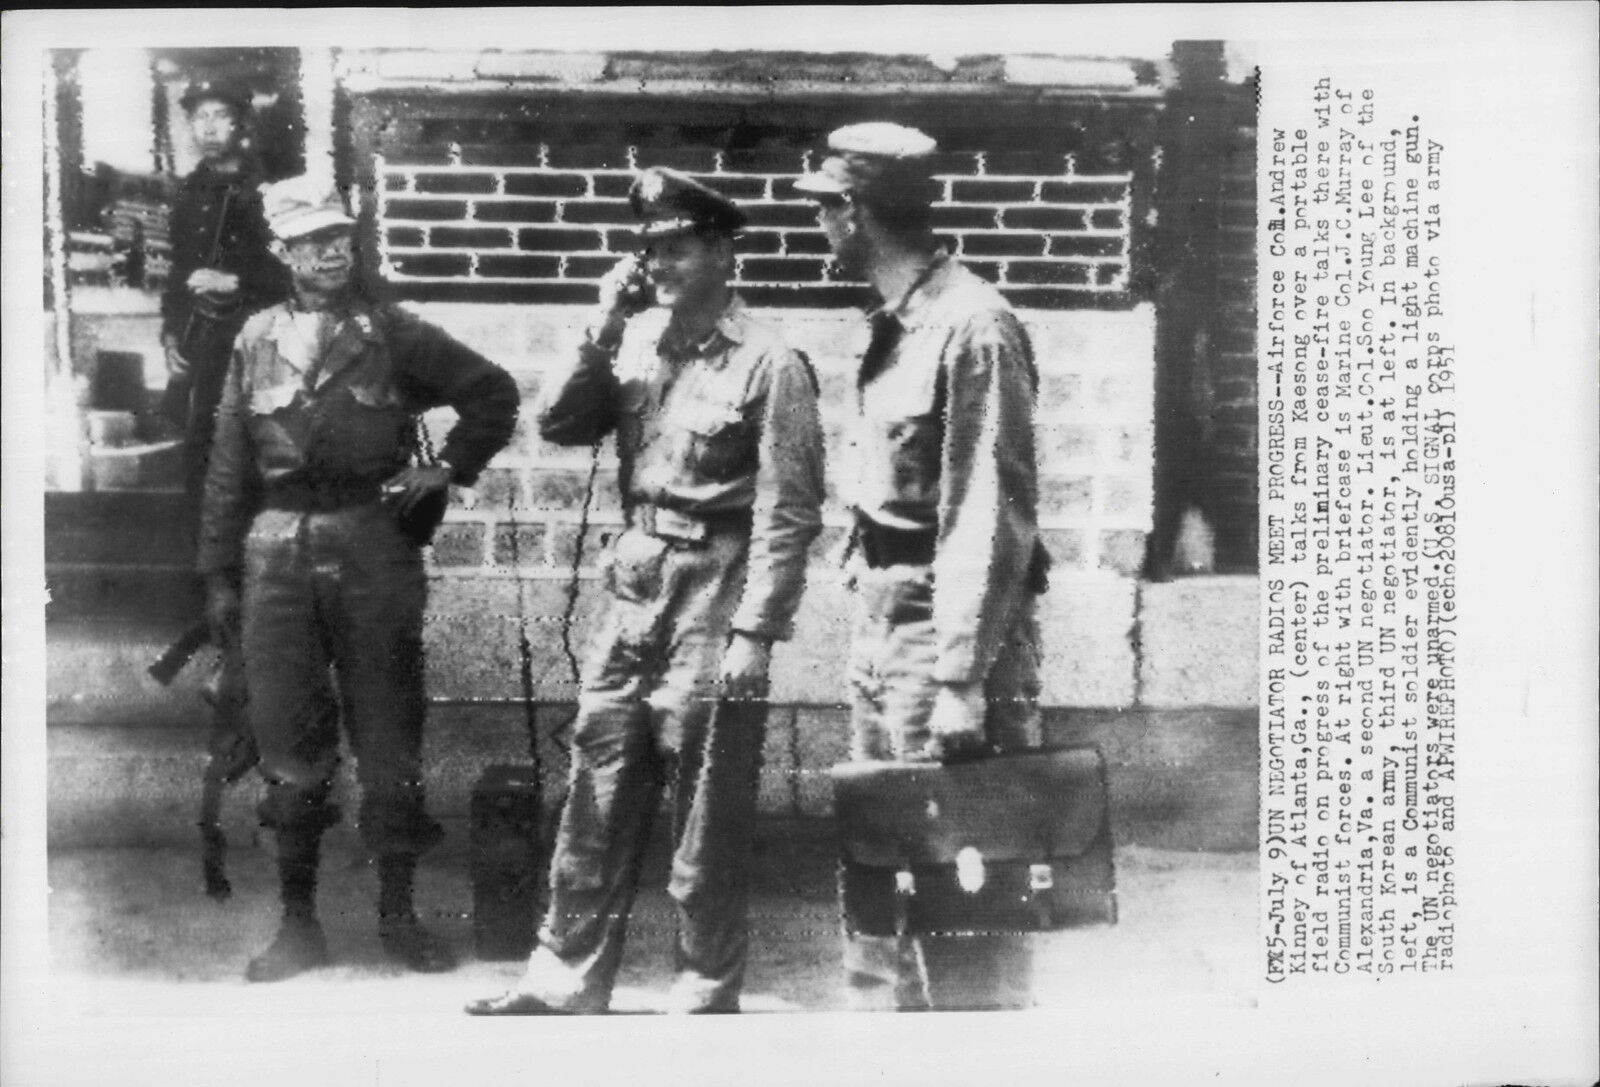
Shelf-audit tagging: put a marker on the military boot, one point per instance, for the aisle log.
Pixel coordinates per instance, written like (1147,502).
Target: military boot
(403,938)
(300,944)
(298,947)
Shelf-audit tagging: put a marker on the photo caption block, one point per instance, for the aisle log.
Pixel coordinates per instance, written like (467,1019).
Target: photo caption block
(1358,487)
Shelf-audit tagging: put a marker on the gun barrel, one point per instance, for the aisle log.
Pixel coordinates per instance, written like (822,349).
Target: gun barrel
(179,653)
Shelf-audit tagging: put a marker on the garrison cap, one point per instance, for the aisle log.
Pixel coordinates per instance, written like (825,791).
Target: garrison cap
(298,206)
(672,203)
(876,159)
(234,94)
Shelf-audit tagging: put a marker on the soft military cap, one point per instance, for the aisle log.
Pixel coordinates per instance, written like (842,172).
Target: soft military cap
(298,206)
(234,94)
(672,203)
(877,158)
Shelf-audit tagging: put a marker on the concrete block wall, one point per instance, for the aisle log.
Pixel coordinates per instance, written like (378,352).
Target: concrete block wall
(518,550)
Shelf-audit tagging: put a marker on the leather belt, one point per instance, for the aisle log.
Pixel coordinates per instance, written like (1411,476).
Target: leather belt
(320,498)
(882,546)
(691,529)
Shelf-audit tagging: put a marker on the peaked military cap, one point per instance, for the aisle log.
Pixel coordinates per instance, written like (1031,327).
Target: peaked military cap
(234,94)
(672,203)
(879,159)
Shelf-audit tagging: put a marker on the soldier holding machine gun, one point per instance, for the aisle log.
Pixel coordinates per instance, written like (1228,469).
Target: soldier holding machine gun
(222,268)
(222,272)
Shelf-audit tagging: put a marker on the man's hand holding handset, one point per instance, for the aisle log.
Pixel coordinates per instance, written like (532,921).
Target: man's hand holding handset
(624,292)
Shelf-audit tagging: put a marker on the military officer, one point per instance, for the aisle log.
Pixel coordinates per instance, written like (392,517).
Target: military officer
(308,526)
(721,476)
(944,657)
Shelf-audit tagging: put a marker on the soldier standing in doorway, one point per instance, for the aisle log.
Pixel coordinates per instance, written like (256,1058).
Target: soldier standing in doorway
(946,553)
(222,272)
(222,267)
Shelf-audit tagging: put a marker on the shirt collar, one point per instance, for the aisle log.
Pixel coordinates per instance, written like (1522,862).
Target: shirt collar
(353,321)
(732,325)
(731,328)
(909,306)
(353,309)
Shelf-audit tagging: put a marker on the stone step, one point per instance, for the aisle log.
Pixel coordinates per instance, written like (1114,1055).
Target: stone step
(138,786)
(95,674)
(116,527)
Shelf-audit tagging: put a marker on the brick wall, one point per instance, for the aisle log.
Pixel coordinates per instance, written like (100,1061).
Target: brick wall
(544,222)
(513,188)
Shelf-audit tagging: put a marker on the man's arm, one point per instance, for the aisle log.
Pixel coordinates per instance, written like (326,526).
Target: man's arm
(988,505)
(786,515)
(580,404)
(175,298)
(231,487)
(263,279)
(436,370)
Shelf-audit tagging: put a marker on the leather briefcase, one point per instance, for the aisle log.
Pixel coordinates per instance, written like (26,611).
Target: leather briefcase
(1019,842)
(506,875)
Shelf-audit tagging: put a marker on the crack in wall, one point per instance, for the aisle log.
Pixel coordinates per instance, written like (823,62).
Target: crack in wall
(524,647)
(794,762)
(1136,641)
(574,587)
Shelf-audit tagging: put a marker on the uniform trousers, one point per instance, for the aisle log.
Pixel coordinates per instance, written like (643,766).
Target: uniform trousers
(332,631)
(646,724)
(893,654)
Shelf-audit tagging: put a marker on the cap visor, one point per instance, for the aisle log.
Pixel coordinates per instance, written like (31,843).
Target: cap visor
(310,223)
(677,228)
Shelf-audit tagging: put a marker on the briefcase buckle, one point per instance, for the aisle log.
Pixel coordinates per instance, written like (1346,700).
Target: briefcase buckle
(1041,877)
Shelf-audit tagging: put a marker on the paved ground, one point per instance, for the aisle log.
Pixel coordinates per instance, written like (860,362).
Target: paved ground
(144,986)
(132,925)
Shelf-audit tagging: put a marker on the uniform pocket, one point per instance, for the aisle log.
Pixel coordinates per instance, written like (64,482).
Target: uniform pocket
(274,398)
(374,430)
(904,424)
(632,569)
(896,595)
(375,396)
(914,450)
(276,424)
(722,444)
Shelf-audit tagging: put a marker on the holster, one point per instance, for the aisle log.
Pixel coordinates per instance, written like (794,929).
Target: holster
(423,519)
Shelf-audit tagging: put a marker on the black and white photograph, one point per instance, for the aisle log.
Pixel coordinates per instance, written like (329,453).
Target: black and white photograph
(562,514)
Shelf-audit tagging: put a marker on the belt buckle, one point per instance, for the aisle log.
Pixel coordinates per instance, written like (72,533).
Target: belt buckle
(681,527)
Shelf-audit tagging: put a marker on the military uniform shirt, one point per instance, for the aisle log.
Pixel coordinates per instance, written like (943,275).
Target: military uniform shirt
(723,426)
(336,415)
(944,443)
